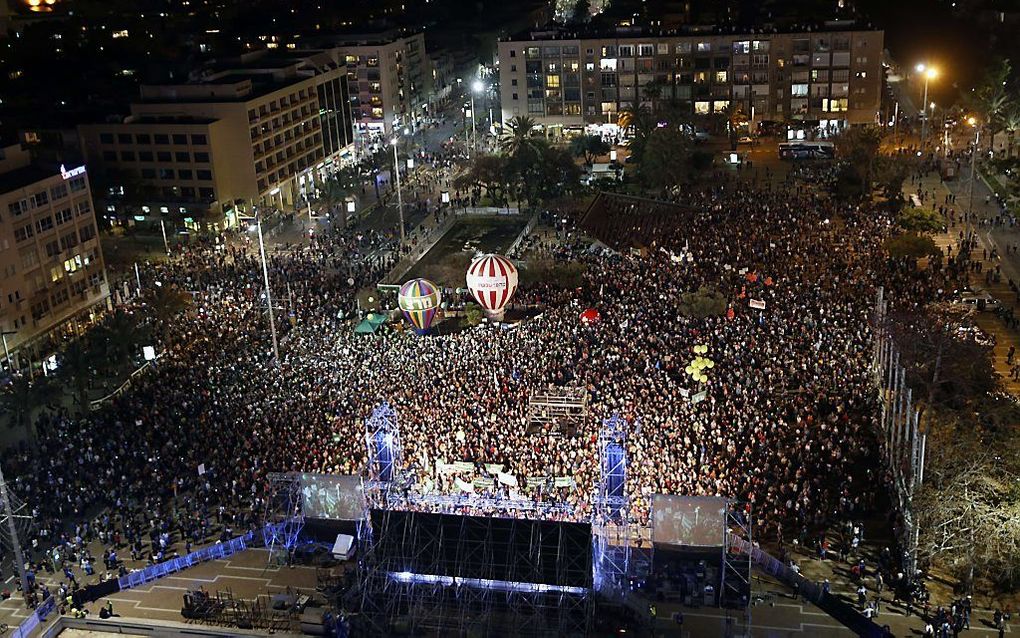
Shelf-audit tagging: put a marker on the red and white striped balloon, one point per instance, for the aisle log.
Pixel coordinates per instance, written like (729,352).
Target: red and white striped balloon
(492,280)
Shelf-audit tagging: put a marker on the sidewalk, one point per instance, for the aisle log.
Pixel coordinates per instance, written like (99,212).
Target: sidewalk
(988,239)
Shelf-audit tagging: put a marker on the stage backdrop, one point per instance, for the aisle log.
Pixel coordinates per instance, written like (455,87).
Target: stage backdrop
(331,496)
(688,520)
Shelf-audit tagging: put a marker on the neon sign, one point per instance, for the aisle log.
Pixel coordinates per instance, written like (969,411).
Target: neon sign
(68,174)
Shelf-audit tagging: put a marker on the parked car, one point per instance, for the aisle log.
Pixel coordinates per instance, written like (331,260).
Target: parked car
(980,300)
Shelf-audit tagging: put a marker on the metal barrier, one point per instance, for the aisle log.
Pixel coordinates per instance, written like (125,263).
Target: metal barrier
(159,570)
(28,625)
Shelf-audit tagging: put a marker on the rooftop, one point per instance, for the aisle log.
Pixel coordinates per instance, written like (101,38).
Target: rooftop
(557,32)
(21,177)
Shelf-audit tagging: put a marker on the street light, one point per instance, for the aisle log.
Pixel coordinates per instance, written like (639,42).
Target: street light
(970,189)
(930,73)
(7,353)
(269,297)
(400,199)
(476,87)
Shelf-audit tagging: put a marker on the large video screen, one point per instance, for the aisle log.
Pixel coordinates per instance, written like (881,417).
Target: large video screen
(331,496)
(688,520)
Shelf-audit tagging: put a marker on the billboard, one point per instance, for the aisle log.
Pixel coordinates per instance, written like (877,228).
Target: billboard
(695,521)
(331,496)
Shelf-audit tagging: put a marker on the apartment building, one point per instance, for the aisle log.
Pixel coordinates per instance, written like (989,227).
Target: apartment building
(259,131)
(825,78)
(53,277)
(390,78)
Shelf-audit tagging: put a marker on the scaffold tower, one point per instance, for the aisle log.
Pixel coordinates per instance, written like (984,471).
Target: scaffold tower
(611,511)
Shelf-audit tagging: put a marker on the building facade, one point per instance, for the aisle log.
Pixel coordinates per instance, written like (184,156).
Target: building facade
(390,79)
(827,79)
(54,278)
(258,133)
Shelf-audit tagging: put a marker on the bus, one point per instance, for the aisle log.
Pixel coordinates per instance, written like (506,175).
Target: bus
(806,150)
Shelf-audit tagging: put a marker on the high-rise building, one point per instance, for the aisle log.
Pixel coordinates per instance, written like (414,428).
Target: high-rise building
(827,78)
(53,277)
(257,131)
(390,78)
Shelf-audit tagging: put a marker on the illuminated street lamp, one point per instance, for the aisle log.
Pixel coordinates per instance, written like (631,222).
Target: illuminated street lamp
(476,87)
(973,164)
(400,199)
(929,73)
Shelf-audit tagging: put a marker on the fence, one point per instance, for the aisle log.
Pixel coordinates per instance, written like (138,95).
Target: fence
(213,552)
(98,403)
(809,590)
(532,222)
(37,616)
(903,445)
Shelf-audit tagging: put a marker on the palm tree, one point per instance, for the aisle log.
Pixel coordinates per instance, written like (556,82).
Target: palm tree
(1011,124)
(331,194)
(23,396)
(115,341)
(590,147)
(518,136)
(992,96)
(77,367)
(643,123)
(167,301)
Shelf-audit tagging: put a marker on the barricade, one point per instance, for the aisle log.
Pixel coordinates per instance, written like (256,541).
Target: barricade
(28,625)
(159,570)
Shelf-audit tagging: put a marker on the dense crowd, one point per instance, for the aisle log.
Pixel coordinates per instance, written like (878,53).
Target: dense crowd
(786,422)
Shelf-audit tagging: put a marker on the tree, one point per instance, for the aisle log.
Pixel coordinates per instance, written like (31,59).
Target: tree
(115,341)
(581,11)
(735,118)
(991,98)
(642,123)
(167,301)
(890,174)
(921,220)
(663,162)
(472,314)
(705,302)
(551,173)
(23,396)
(858,148)
(911,247)
(77,367)
(518,136)
(969,506)
(945,370)
(490,172)
(1011,124)
(333,193)
(590,147)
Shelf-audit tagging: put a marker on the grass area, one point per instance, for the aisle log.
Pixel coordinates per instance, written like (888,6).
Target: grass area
(448,260)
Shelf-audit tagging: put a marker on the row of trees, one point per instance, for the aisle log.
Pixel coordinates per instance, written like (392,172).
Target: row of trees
(527,168)
(106,351)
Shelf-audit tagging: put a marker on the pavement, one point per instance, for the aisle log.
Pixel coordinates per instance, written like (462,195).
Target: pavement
(989,238)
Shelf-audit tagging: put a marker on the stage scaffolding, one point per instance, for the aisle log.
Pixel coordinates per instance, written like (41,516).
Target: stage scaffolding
(735,573)
(611,531)
(390,599)
(563,407)
(283,517)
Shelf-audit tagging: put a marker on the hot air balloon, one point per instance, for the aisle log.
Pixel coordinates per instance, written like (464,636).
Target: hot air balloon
(419,299)
(492,280)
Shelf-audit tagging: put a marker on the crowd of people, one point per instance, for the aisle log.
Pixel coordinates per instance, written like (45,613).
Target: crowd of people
(786,422)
